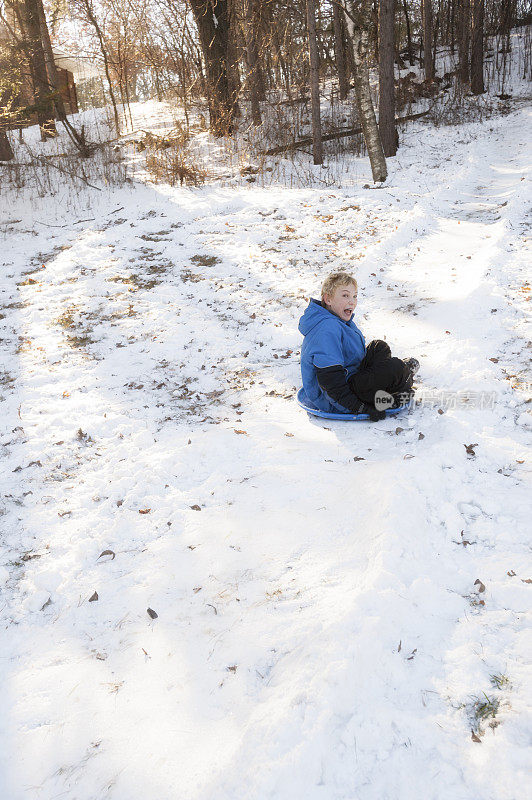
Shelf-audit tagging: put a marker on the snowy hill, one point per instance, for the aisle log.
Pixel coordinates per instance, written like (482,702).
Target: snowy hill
(205,594)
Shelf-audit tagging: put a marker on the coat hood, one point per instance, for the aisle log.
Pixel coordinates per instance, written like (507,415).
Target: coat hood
(313,315)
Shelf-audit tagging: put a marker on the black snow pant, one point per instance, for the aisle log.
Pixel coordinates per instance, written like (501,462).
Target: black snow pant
(380,370)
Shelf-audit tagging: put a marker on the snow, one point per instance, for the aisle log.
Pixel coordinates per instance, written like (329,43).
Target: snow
(319,632)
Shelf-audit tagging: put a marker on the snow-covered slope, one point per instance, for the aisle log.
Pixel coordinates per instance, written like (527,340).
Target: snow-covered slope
(342,609)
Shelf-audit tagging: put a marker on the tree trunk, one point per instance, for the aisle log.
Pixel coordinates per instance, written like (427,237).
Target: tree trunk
(464,28)
(317,145)
(94,22)
(477,47)
(358,22)
(6,151)
(387,128)
(408,36)
(339,50)
(507,17)
(426,10)
(212,21)
(234,52)
(41,87)
(252,59)
(53,80)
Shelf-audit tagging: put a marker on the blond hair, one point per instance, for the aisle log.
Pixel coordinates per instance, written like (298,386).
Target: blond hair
(337,279)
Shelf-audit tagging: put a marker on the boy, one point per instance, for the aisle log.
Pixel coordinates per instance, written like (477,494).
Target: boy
(339,372)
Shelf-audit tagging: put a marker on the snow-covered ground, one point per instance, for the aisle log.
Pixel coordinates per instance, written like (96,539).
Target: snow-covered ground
(343,610)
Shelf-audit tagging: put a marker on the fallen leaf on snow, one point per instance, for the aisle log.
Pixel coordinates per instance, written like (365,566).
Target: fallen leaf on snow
(195,507)
(478,583)
(242,433)
(151,613)
(93,597)
(144,510)
(107,553)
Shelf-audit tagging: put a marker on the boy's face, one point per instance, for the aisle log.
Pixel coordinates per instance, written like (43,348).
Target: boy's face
(342,301)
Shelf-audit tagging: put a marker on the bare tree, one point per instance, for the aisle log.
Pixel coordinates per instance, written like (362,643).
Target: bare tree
(6,151)
(339,51)
(477,47)
(387,128)
(54,85)
(464,37)
(87,8)
(428,61)
(408,35)
(212,21)
(252,58)
(358,19)
(317,144)
(30,24)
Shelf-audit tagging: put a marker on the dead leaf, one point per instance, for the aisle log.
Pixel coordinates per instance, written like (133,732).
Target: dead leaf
(195,507)
(290,435)
(511,574)
(398,431)
(358,458)
(107,553)
(93,597)
(421,436)
(242,433)
(475,738)
(480,585)
(470,449)
(526,580)
(232,668)
(151,613)
(495,360)
(441,411)
(197,589)
(144,510)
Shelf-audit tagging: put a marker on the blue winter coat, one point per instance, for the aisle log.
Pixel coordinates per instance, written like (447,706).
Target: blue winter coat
(328,341)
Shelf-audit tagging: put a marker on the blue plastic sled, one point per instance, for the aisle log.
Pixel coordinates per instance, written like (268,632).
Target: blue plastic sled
(305,403)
